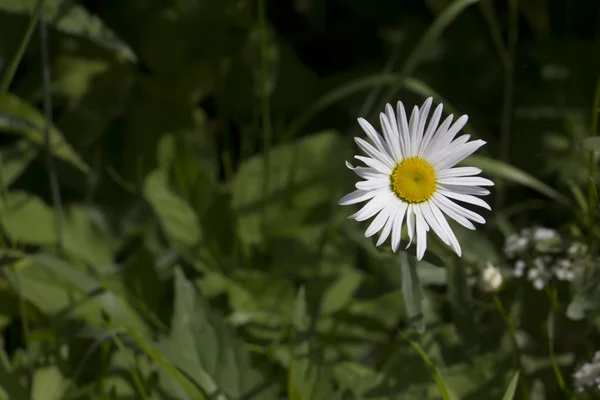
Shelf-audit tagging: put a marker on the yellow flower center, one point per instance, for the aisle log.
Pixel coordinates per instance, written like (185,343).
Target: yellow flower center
(413,180)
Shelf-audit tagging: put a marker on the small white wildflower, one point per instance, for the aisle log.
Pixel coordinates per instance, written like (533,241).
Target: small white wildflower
(519,270)
(563,270)
(491,279)
(515,244)
(539,274)
(577,249)
(588,375)
(541,234)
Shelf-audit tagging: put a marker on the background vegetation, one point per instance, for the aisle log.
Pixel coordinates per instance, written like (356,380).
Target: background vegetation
(182,239)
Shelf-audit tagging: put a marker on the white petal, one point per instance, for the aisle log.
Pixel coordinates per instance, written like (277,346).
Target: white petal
(374,153)
(379,221)
(446,137)
(433,146)
(375,164)
(465,198)
(433,124)
(372,207)
(387,228)
(397,227)
(397,146)
(460,210)
(412,128)
(358,196)
(422,229)
(374,136)
(403,128)
(458,171)
(424,113)
(440,226)
(375,183)
(410,224)
(455,156)
(474,190)
(466,181)
(365,172)
(425,209)
(451,213)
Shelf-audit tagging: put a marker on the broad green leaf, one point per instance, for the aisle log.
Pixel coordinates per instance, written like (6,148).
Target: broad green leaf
(87,237)
(340,292)
(19,117)
(411,290)
(48,384)
(56,287)
(77,20)
(307,379)
(13,378)
(15,159)
(206,349)
(506,171)
(592,143)
(512,387)
(27,219)
(178,220)
(302,180)
(260,298)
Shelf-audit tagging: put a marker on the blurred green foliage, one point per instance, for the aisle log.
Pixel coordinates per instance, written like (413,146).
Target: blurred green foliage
(198,251)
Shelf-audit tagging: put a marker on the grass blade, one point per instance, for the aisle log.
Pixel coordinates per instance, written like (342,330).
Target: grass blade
(435,30)
(512,388)
(506,171)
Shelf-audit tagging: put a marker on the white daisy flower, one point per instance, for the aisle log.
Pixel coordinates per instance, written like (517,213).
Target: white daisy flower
(410,175)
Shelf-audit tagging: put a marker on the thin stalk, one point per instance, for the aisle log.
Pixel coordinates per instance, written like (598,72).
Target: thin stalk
(592,192)
(265,105)
(507,103)
(513,338)
(555,309)
(53,176)
(8,76)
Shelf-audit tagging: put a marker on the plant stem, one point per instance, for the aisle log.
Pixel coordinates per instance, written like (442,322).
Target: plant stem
(592,192)
(513,337)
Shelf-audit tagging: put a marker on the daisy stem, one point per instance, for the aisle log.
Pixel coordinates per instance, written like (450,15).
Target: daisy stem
(513,337)
(265,102)
(507,103)
(592,192)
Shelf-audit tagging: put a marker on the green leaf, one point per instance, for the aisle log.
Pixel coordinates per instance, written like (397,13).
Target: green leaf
(206,349)
(27,219)
(56,287)
(591,143)
(506,171)
(411,290)
(340,292)
(18,116)
(303,178)
(75,20)
(15,159)
(307,379)
(12,378)
(178,220)
(48,384)
(88,238)
(512,387)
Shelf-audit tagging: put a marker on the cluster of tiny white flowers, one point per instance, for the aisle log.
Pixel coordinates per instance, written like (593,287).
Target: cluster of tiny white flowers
(541,266)
(588,375)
